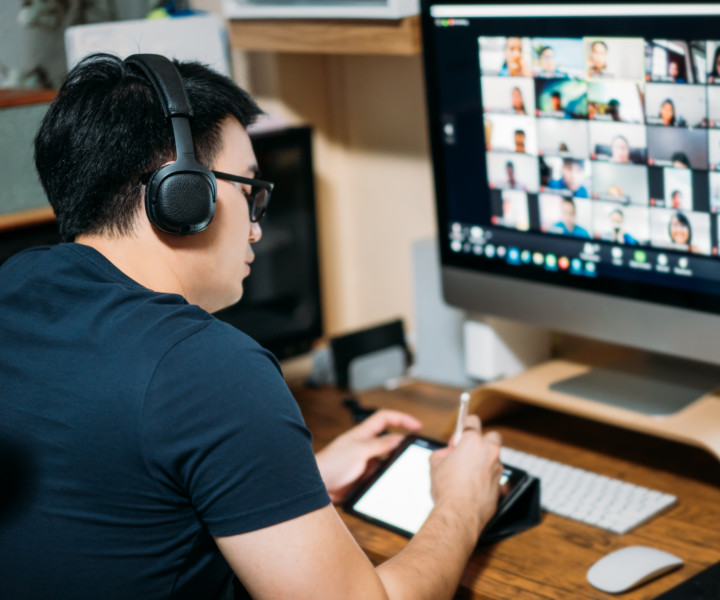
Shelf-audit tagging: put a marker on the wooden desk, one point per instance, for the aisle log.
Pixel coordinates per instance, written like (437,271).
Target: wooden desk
(551,560)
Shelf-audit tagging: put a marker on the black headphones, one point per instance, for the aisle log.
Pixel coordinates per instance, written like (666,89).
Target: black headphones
(179,197)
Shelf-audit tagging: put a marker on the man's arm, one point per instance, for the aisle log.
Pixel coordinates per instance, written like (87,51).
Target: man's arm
(314,556)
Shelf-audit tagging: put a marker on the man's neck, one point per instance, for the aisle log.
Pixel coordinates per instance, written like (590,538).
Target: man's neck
(143,260)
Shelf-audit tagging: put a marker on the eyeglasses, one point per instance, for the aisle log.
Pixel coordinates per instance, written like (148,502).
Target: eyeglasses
(259,196)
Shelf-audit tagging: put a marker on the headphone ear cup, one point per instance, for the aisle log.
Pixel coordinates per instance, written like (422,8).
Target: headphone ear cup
(181,202)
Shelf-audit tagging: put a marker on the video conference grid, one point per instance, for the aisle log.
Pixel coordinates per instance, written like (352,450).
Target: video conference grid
(607,138)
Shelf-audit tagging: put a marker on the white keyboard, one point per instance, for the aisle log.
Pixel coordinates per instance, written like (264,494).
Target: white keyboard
(589,497)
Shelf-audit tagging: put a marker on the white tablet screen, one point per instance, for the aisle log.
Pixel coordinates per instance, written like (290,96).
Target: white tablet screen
(401,496)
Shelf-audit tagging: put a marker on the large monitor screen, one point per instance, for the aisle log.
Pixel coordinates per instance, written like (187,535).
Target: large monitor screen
(578,145)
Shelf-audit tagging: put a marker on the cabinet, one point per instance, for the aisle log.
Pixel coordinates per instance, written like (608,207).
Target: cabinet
(328,36)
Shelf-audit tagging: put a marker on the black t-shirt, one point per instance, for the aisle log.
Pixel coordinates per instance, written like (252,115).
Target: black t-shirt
(134,427)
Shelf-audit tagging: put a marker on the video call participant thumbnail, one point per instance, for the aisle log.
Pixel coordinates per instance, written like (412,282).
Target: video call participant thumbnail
(679,147)
(680,230)
(679,189)
(676,105)
(558,58)
(714,149)
(512,171)
(619,58)
(561,98)
(713,105)
(615,101)
(563,215)
(629,225)
(566,138)
(505,56)
(503,95)
(714,185)
(618,142)
(669,61)
(510,133)
(548,64)
(510,209)
(617,182)
(569,176)
(713,50)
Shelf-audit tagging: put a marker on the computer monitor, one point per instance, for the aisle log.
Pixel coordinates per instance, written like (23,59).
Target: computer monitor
(576,154)
(281,307)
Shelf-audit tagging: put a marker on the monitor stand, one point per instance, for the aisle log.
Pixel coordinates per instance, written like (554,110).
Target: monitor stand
(671,398)
(649,384)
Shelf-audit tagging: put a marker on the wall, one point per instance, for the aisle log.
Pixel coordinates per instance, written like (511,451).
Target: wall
(32,53)
(372,168)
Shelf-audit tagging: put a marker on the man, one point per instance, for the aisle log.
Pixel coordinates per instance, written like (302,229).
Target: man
(511,182)
(515,64)
(567,223)
(598,60)
(548,64)
(674,72)
(572,177)
(556,102)
(157,450)
(620,149)
(676,200)
(519,137)
(617,233)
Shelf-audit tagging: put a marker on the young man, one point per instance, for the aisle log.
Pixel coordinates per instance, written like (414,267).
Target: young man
(567,225)
(152,450)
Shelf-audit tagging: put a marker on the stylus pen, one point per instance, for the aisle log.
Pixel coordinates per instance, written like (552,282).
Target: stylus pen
(462,413)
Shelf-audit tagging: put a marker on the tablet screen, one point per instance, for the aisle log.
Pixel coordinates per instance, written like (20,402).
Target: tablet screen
(400,497)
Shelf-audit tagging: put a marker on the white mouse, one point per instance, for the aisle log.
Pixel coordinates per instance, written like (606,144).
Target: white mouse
(629,567)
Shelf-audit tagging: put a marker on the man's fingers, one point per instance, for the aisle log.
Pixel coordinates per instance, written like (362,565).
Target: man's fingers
(439,455)
(493,437)
(382,419)
(383,444)
(472,422)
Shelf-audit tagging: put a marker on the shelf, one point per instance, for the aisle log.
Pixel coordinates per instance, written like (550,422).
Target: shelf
(10,98)
(328,36)
(26,218)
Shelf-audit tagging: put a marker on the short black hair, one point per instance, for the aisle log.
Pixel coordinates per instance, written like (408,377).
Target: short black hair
(105,132)
(573,162)
(598,42)
(680,157)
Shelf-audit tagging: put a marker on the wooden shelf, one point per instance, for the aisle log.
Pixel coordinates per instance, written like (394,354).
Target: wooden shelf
(24,96)
(327,36)
(26,218)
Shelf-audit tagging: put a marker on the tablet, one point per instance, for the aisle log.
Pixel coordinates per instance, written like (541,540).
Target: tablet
(397,495)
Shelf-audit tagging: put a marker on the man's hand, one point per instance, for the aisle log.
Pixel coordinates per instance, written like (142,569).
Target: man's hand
(348,457)
(469,473)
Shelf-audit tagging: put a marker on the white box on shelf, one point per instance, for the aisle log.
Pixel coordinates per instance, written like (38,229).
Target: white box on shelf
(201,37)
(319,9)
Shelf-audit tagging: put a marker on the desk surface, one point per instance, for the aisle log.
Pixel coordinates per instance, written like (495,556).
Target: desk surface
(551,560)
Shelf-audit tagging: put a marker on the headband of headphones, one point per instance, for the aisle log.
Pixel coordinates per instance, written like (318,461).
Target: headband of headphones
(179,197)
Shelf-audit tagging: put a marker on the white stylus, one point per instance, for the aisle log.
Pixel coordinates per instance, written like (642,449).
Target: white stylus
(462,413)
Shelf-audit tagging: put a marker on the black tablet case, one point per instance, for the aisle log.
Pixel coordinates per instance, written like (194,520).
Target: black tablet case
(521,511)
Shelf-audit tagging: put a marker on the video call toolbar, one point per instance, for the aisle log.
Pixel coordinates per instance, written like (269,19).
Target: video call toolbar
(616,139)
